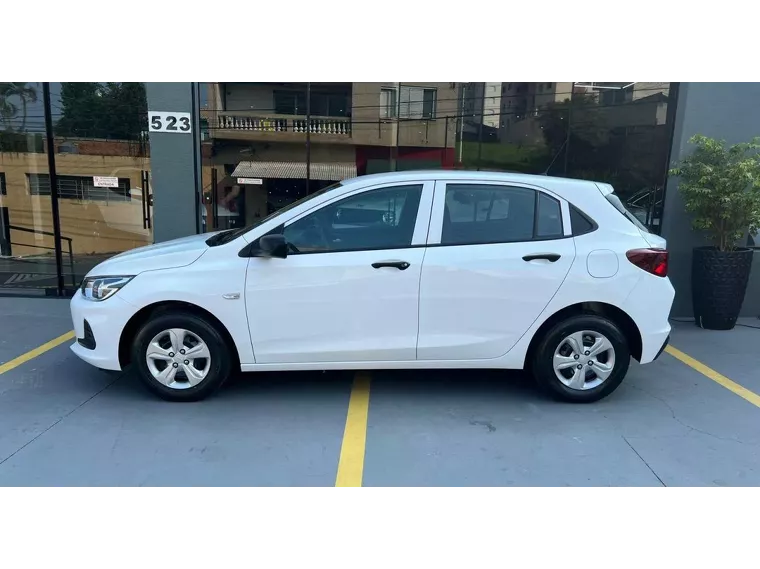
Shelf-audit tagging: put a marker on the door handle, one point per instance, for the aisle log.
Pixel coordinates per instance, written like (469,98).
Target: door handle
(400,265)
(551,257)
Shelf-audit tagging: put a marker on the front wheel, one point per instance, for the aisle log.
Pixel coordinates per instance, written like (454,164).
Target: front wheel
(181,357)
(582,359)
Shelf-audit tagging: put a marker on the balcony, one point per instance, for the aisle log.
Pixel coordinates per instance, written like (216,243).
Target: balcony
(249,125)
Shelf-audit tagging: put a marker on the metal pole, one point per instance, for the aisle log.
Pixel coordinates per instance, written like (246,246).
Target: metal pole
(461,121)
(480,124)
(398,126)
(308,136)
(445,143)
(53,186)
(569,120)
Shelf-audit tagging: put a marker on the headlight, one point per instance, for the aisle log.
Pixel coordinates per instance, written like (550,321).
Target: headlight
(100,288)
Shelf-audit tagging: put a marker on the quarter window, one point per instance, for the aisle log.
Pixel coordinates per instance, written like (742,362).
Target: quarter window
(377,219)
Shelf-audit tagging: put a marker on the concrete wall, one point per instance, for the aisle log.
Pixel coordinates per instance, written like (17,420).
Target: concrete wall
(175,166)
(722,110)
(371,131)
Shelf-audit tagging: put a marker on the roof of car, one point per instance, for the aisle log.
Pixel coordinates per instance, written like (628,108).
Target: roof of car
(549,182)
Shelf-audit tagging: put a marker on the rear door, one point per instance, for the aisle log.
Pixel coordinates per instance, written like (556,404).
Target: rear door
(497,253)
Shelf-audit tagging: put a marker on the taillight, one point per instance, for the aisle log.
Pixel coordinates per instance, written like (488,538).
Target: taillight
(653,261)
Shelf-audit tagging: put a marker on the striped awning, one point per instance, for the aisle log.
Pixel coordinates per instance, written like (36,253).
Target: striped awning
(327,171)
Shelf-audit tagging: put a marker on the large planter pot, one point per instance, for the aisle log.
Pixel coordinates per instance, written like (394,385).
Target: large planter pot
(718,284)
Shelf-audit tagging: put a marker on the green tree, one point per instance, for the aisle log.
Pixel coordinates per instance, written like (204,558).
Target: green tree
(721,188)
(11,96)
(588,139)
(102,110)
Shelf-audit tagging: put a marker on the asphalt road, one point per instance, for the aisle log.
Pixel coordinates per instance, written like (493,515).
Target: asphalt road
(64,423)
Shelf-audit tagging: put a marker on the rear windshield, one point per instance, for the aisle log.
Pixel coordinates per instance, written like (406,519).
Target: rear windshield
(614,200)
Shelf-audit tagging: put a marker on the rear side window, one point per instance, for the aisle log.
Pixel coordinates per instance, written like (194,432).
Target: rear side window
(483,213)
(549,219)
(476,213)
(615,201)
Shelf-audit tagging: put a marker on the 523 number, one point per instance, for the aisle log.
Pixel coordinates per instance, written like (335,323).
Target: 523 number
(169,123)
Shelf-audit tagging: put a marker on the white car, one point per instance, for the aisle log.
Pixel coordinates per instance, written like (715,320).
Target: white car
(439,269)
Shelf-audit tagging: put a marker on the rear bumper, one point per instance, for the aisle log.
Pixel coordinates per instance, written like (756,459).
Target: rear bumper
(649,305)
(662,349)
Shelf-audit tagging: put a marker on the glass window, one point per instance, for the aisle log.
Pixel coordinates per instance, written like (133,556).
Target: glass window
(79,188)
(549,217)
(614,200)
(27,243)
(377,219)
(387,103)
(487,214)
(418,102)
(580,223)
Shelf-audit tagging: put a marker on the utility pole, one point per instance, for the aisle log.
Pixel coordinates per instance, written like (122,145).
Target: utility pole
(398,127)
(308,137)
(480,123)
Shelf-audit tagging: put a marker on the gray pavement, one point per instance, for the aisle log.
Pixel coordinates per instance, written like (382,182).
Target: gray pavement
(64,423)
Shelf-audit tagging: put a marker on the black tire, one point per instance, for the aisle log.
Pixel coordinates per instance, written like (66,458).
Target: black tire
(542,362)
(219,350)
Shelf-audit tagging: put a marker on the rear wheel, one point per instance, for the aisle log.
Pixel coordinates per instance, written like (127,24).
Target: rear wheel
(181,357)
(582,359)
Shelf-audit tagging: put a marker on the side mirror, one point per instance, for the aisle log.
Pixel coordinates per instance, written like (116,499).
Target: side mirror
(272,246)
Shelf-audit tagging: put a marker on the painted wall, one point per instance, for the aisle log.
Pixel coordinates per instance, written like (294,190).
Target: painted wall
(94,227)
(726,111)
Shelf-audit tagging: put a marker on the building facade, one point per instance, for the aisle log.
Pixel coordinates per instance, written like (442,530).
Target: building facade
(88,170)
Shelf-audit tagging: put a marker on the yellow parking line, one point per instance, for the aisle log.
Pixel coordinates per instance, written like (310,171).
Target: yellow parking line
(31,354)
(718,378)
(351,464)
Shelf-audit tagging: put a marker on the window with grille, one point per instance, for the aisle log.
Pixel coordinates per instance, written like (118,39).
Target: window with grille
(80,188)
(415,102)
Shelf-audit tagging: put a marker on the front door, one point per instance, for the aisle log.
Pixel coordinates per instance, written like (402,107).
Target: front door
(497,255)
(349,288)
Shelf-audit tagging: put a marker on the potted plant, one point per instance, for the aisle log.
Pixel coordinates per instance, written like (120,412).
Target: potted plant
(721,189)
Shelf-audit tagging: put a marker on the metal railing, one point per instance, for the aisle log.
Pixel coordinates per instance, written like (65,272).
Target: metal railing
(50,234)
(316,125)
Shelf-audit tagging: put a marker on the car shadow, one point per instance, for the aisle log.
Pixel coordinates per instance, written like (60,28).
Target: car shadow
(454,384)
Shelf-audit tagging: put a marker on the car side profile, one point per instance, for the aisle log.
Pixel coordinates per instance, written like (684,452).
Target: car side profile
(438,269)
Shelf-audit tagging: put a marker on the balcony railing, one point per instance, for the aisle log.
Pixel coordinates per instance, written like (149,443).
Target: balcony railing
(316,125)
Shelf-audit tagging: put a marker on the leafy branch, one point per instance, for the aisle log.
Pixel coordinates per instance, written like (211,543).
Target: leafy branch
(721,188)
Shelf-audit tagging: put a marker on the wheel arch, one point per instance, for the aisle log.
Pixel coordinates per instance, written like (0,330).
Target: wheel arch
(147,312)
(618,316)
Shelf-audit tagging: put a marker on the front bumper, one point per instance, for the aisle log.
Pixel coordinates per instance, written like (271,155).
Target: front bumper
(106,321)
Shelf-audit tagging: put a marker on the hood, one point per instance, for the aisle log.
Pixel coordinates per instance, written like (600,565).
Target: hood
(167,255)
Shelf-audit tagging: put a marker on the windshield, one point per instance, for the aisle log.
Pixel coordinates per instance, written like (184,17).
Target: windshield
(232,234)
(614,200)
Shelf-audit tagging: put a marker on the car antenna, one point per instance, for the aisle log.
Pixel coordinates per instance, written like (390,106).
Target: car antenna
(546,172)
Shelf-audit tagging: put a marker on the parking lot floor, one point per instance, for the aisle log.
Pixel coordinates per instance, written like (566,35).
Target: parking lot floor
(64,423)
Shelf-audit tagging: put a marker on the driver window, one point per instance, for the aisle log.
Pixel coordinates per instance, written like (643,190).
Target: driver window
(377,219)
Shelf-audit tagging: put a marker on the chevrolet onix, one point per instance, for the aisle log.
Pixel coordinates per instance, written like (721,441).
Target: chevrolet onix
(435,269)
